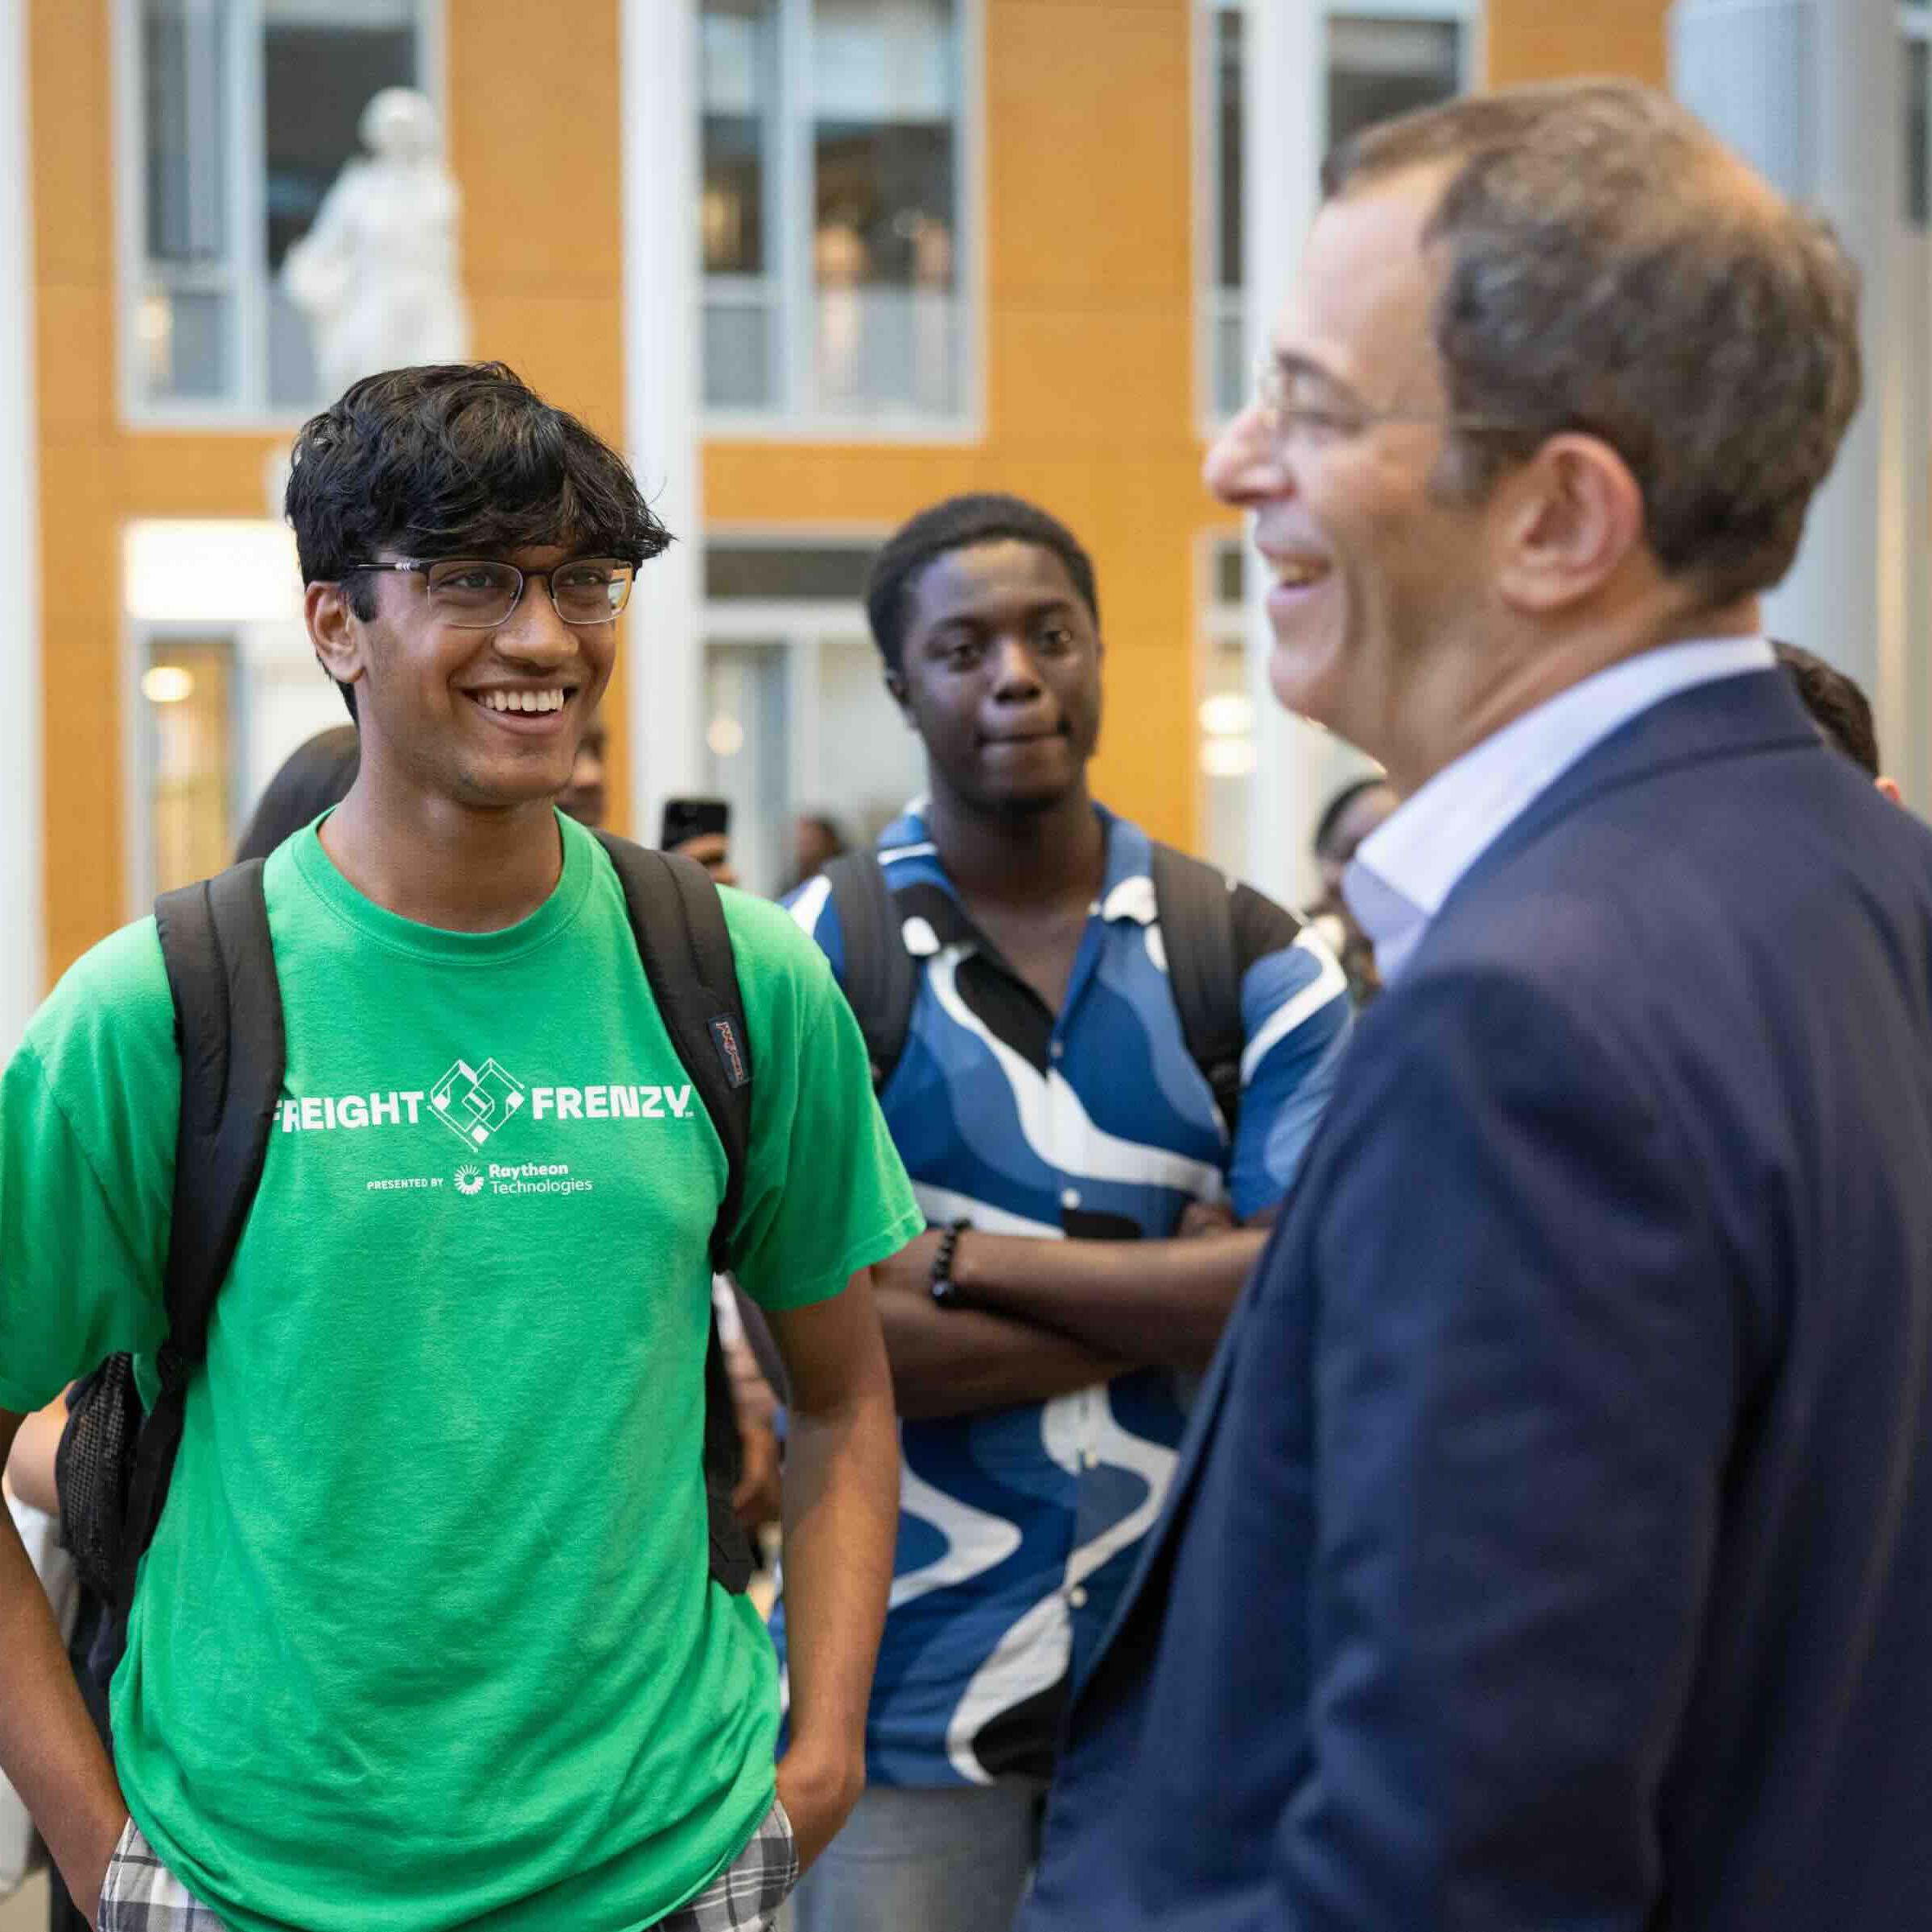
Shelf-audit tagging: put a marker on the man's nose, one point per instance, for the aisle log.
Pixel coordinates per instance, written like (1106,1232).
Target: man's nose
(533,631)
(1016,676)
(1245,466)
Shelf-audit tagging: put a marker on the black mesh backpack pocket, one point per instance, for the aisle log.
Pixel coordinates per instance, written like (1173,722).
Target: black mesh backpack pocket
(92,1468)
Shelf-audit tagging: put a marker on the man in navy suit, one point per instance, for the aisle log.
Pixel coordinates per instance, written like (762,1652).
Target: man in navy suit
(1552,1547)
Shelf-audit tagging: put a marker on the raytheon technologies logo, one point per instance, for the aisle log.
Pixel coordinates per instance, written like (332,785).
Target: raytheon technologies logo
(474,1105)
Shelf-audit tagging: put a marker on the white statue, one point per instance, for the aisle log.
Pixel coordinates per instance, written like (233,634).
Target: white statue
(376,275)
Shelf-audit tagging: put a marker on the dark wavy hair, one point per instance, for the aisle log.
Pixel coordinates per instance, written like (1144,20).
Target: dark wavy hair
(958,524)
(314,777)
(1839,708)
(451,460)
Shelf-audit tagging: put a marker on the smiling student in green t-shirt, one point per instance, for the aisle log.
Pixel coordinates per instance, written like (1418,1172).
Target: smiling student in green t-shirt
(425,1637)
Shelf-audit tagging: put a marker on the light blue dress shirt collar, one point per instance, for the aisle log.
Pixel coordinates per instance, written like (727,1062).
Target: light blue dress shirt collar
(1408,866)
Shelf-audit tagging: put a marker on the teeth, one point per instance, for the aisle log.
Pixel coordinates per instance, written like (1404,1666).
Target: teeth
(1295,574)
(523,701)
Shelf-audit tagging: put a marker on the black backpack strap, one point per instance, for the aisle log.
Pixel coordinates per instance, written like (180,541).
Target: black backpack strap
(881,977)
(677,921)
(227,1023)
(678,924)
(1195,906)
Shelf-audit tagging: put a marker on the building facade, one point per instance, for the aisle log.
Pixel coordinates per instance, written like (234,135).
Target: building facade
(890,248)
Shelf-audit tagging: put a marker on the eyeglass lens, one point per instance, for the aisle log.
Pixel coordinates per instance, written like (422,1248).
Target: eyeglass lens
(480,592)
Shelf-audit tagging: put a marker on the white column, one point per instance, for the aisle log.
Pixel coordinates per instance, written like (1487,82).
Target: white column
(23,943)
(1808,91)
(1284,110)
(664,631)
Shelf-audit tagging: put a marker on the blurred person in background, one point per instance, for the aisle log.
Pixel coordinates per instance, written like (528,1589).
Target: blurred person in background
(316,776)
(700,828)
(585,797)
(816,841)
(1840,709)
(1354,812)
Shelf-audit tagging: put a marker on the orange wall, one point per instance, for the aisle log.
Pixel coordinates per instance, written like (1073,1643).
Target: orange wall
(1534,40)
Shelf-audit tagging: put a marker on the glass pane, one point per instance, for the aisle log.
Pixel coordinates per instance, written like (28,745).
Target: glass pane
(1919,192)
(739,44)
(1228,30)
(1231,373)
(1226,753)
(184,96)
(185,343)
(870,762)
(824,571)
(737,357)
(1231,573)
(1378,69)
(884,253)
(747,755)
(319,67)
(186,693)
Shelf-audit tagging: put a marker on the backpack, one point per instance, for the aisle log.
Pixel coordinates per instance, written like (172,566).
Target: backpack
(1193,902)
(114,1462)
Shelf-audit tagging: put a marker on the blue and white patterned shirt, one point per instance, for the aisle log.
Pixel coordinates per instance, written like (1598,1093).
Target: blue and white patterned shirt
(1019,1527)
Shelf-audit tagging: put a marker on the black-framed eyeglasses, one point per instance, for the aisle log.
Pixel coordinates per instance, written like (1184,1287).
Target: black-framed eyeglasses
(479,593)
(1290,416)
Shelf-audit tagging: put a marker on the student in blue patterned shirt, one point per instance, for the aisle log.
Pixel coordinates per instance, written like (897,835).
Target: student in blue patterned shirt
(1046,1098)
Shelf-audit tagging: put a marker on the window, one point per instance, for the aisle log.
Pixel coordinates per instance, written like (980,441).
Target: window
(1225,716)
(243,112)
(187,689)
(796,717)
(832,209)
(1380,62)
(221,685)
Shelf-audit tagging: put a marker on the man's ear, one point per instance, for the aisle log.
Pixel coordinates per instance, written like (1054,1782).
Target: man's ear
(336,631)
(1565,523)
(896,690)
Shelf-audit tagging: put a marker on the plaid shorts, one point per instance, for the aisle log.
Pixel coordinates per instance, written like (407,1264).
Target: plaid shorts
(746,1895)
(142,1895)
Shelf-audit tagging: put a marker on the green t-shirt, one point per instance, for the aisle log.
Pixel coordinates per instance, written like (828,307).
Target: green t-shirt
(426,1638)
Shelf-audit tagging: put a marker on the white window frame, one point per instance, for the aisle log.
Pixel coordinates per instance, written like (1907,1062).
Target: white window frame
(1212,306)
(790,186)
(138,637)
(246,407)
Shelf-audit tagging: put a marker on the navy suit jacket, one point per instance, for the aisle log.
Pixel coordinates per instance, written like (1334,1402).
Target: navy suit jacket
(1551,1550)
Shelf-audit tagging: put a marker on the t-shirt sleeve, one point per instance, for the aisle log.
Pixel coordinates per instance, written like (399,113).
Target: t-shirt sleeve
(1295,1019)
(825,1193)
(88,1109)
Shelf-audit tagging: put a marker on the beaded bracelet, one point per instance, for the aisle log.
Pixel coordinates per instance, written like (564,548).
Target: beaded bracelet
(944,1289)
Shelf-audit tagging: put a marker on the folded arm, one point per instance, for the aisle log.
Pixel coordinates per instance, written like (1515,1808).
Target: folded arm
(1147,1303)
